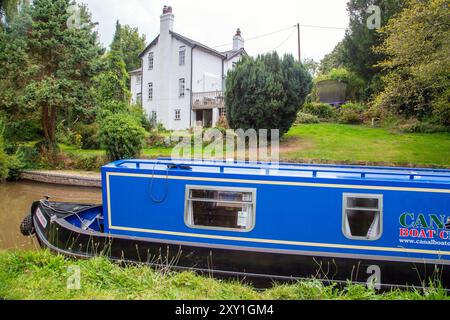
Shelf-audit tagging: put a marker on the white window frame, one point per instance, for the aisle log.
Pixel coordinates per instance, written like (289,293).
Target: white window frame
(177,114)
(138,98)
(345,207)
(138,79)
(189,217)
(154,117)
(182,56)
(150,91)
(151,60)
(181,87)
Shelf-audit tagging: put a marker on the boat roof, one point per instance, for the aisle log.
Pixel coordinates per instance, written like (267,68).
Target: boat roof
(284,169)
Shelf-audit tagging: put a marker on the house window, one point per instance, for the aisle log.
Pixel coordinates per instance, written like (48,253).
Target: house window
(362,216)
(150,91)
(138,80)
(181,87)
(177,114)
(182,56)
(150,61)
(220,208)
(153,118)
(139,98)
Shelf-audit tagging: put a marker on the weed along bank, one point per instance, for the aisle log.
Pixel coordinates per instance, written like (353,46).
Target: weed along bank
(261,222)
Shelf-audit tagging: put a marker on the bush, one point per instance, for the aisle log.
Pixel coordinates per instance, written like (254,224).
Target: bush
(154,139)
(306,118)
(266,92)
(89,134)
(122,136)
(89,162)
(352,113)
(323,111)
(416,126)
(141,116)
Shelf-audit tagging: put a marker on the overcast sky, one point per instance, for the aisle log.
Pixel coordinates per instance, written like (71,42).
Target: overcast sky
(214,22)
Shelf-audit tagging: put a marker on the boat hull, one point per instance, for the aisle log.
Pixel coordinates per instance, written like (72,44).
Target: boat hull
(259,266)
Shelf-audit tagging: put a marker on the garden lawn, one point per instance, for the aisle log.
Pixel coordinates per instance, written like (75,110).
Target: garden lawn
(329,142)
(348,144)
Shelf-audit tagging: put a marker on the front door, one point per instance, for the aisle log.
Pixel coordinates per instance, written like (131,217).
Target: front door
(207,118)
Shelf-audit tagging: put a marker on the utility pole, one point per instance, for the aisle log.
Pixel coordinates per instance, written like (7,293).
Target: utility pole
(299,51)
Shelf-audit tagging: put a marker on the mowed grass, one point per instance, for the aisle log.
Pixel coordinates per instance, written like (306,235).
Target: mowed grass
(348,144)
(329,142)
(42,275)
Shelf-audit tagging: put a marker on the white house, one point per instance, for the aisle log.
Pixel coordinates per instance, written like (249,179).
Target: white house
(181,81)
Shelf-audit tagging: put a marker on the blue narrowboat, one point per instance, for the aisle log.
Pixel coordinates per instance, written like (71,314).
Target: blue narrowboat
(261,221)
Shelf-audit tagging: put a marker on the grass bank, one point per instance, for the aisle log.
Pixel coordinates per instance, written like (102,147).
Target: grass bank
(339,143)
(42,275)
(331,142)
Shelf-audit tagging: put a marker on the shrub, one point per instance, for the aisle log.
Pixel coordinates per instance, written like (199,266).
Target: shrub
(89,134)
(122,136)
(154,139)
(416,126)
(3,156)
(352,113)
(306,118)
(15,167)
(323,111)
(3,163)
(141,116)
(89,162)
(266,92)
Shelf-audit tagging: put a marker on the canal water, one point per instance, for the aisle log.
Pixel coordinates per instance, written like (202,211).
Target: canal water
(15,202)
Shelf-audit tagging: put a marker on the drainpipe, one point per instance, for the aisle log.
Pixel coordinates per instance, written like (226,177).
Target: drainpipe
(190,102)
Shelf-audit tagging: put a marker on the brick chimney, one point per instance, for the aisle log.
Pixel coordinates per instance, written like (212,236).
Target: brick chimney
(166,19)
(238,41)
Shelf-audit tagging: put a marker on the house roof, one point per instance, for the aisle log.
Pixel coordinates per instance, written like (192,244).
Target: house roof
(230,54)
(151,44)
(137,71)
(192,43)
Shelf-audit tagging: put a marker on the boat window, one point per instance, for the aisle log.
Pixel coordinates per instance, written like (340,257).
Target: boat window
(220,208)
(362,216)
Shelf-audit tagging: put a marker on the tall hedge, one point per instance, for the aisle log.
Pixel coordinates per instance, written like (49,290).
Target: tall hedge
(266,92)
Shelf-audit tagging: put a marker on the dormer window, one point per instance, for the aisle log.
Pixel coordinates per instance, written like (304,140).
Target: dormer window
(182,56)
(150,61)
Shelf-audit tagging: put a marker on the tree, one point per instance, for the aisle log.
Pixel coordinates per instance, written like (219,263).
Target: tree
(130,44)
(333,60)
(359,41)
(417,48)
(266,92)
(110,91)
(9,10)
(49,63)
(311,65)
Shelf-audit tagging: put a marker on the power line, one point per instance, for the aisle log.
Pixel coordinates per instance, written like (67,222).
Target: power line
(257,37)
(284,41)
(322,27)
(281,30)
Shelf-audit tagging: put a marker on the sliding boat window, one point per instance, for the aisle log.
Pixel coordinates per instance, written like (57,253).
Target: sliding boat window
(362,216)
(220,208)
